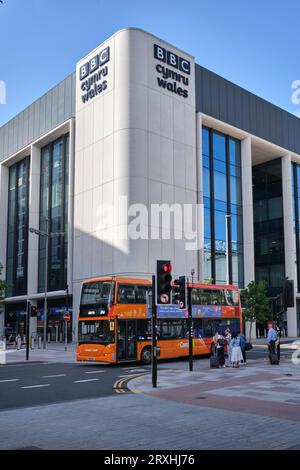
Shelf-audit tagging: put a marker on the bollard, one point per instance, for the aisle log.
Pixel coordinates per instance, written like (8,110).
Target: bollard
(32,342)
(49,337)
(39,342)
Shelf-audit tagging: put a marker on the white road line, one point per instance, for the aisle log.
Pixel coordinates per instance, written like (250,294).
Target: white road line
(95,372)
(82,381)
(10,380)
(37,386)
(53,376)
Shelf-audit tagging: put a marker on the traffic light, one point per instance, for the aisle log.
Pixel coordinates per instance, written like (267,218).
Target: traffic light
(163,282)
(180,292)
(33,311)
(288,294)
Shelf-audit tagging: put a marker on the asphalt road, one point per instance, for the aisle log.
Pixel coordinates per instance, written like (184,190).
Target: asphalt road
(27,385)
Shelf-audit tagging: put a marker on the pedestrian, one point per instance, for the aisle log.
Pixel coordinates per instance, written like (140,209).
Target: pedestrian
(278,331)
(243,341)
(236,353)
(18,342)
(272,338)
(221,342)
(228,340)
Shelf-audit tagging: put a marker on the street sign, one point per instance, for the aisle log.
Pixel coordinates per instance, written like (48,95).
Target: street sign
(67,317)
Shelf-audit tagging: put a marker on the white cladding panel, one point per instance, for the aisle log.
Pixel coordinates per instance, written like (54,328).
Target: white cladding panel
(134,139)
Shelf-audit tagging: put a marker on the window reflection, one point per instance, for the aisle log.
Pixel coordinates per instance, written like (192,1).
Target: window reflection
(216,200)
(17,229)
(54,206)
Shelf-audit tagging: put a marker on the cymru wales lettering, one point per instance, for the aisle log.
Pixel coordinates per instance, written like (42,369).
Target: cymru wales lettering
(170,79)
(93,75)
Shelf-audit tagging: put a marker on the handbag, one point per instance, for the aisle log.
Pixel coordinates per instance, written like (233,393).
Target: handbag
(248,346)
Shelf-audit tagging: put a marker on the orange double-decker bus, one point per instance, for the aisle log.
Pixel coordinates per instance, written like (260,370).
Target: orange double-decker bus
(115,321)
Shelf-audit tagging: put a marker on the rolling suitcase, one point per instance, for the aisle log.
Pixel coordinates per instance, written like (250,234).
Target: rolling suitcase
(214,362)
(273,359)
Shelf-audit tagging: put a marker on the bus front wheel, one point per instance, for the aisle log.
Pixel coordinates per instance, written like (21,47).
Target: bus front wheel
(146,356)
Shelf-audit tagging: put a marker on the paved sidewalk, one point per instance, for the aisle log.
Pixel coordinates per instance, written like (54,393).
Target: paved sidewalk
(256,388)
(254,407)
(55,352)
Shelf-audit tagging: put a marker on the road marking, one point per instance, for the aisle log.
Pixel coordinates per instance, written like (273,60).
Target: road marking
(130,369)
(53,376)
(37,386)
(10,380)
(82,381)
(95,372)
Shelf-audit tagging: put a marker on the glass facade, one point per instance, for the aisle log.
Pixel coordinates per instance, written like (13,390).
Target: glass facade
(222,196)
(268,226)
(17,229)
(296,215)
(54,208)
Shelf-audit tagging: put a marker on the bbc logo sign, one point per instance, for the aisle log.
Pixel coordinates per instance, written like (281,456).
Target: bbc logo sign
(98,61)
(162,54)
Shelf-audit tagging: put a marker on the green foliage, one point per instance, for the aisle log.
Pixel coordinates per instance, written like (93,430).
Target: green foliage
(255,306)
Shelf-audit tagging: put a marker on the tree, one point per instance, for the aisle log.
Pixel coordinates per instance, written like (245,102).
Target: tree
(2,286)
(255,306)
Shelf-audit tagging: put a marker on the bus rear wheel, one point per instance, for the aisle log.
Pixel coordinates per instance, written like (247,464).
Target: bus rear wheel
(146,356)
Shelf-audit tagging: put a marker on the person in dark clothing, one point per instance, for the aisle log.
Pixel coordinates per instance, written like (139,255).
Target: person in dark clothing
(220,349)
(242,339)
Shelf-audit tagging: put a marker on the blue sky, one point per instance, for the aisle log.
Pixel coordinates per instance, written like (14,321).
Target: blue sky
(253,43)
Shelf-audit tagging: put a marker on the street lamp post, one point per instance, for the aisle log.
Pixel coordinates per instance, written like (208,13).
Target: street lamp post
(227,221)
(66,322)
(48,235)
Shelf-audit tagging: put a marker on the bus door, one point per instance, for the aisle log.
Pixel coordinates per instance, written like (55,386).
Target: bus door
(127,346)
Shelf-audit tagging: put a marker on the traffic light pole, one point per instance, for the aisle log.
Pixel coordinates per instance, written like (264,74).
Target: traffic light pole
(27,329)
(154,336)
(190,323)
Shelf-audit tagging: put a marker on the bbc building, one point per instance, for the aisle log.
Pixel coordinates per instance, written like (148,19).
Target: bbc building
(141,125)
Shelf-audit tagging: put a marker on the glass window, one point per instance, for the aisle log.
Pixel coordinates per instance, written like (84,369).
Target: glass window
(126,294)
(219,146)
(207,232)
(235,152)
(208,329)
(220,227)
(268,226)
(236,228)
(207,259)
(221,267)
(220,186)
(144,330)
(275,208)
(206,182)
(197,328)
(236,191)
(96,292)
(224,156)
(17,229)
(141,294)
(54,207)
(96,332)
(205,142)
(232,298)
(171,329)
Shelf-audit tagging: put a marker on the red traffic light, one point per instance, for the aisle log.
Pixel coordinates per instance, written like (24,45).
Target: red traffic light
(167,268)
